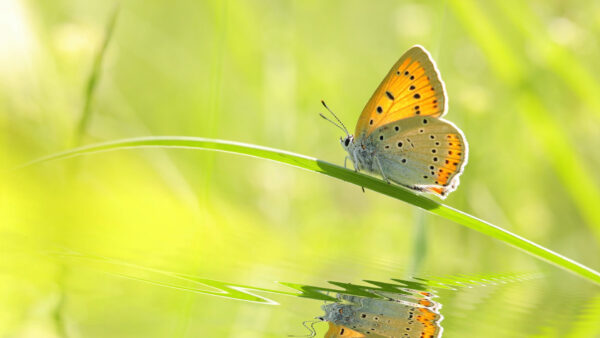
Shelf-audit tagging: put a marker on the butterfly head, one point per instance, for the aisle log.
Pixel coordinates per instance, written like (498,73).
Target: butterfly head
(347,141)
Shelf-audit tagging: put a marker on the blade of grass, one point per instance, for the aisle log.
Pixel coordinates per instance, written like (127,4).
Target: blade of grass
(94,78)
(359,179)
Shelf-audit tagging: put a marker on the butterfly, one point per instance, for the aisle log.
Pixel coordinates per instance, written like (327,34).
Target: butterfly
(400,134)
(355,316)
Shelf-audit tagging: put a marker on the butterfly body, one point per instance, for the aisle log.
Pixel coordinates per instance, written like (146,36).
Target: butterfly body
(362,152)
(400,134)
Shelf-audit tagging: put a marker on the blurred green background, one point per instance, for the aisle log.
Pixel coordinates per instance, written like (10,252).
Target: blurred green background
(523,85)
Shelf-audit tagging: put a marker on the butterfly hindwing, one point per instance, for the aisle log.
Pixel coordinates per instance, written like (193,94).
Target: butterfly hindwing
(426,153)
(413,87)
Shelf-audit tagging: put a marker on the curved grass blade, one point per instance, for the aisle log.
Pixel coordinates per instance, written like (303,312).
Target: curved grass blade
(94,78)
(362,180)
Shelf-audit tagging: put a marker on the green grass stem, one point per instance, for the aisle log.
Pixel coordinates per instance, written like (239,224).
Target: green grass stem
(359,179)
(94,78)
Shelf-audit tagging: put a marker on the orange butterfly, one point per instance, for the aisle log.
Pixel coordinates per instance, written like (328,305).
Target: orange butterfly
(400,134)
(356,316)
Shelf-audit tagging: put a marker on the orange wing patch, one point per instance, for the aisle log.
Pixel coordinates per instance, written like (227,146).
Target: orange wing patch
(443,191)
(436,190)
(341,331)
(429,318)
(412,87)
(451,160)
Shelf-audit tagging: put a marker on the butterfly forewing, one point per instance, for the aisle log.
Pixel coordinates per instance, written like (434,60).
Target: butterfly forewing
(421,152)
(412,87)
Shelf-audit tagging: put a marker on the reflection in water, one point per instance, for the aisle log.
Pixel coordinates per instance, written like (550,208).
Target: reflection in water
(409,314)
(400,308)
(249,293)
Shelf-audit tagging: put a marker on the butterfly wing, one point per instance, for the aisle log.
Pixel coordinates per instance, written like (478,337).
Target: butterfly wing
(402,321)
(374,317)
(412,87)
(422,153)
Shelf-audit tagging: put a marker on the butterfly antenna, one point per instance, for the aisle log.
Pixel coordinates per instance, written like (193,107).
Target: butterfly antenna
(335,124)
(343,127)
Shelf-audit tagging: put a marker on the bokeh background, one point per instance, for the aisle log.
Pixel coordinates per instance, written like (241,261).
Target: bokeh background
(523,85)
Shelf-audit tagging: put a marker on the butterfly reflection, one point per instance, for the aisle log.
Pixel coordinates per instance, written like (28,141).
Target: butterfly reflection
(409,314)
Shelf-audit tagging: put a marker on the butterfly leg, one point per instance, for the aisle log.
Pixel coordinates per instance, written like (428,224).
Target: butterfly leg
(381,170)
(345,162)
(354,163)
